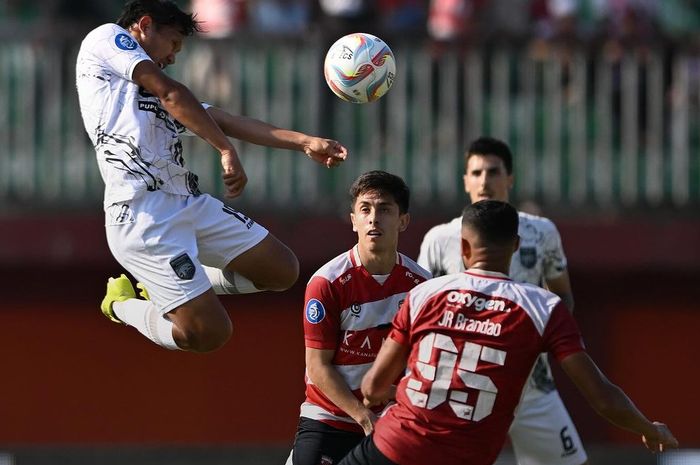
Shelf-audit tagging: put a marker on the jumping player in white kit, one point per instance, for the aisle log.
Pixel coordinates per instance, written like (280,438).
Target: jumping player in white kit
(542,432)
(467,343)
(176,241)
(349,305)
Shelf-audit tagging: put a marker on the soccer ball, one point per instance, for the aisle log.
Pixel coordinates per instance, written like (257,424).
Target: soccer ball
(359,68)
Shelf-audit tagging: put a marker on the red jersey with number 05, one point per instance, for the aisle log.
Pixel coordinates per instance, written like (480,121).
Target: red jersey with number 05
(474,338)
(347,310)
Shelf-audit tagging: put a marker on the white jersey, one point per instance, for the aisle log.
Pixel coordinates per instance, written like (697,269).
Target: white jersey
(136,140)
(539,258)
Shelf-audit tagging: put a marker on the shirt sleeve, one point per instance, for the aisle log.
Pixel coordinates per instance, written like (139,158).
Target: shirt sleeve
(429,255)
(554,260)
(116,50)
(401,325)
(321,315)
(561,336)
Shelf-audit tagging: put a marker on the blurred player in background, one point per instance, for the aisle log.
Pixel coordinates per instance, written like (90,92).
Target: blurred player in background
(470,340)
(542,432)
(176,241)
(349,305)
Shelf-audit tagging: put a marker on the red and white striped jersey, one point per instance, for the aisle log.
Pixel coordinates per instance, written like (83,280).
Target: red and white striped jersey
(349,311)
(474,339)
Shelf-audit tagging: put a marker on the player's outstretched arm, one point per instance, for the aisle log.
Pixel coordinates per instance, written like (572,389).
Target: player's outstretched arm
(390,363)
(177,100)
(327,152)
(613,404)
(319,368)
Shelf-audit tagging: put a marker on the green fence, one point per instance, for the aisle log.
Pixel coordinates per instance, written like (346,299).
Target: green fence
(588,132)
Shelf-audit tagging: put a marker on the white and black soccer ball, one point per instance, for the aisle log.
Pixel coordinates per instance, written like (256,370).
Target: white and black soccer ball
(359,68)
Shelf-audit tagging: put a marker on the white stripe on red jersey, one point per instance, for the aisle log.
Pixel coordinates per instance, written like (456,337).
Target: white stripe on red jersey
(474,338)
(348,311)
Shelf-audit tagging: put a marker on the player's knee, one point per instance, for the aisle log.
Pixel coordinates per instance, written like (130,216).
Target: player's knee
(205,338)
(285,275)
(290,274)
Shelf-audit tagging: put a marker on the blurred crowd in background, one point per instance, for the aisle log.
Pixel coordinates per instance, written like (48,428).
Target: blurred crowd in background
(604,22)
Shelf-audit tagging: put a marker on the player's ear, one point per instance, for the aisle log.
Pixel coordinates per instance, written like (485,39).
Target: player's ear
(404,219)
(466,250)
(352,220)
(145,23)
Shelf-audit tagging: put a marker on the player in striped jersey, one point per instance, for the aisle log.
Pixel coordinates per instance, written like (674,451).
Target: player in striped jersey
(470,341)
(349,305)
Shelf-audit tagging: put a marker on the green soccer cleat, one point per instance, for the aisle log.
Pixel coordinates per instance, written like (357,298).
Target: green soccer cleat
(118,290)
(143,293)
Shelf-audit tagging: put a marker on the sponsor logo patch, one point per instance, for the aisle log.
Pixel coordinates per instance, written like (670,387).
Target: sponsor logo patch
(183,266)
(125,42)
(315,313)
(528,256)
(475,302)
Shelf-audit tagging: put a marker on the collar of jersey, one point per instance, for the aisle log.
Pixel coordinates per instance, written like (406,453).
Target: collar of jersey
(487,274)
(355,257)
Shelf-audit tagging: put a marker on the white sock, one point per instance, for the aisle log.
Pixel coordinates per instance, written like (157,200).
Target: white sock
(142,315)
(227,282)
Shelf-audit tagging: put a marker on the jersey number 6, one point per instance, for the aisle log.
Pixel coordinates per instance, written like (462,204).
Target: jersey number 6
(440,376)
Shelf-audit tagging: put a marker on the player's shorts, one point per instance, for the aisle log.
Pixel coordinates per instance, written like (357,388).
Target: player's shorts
(542,433)
(366,453)
(317,443)
(164,239)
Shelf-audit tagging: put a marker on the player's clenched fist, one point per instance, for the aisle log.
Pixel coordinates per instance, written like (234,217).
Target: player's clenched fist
(662,439)
(327,152)
(234,175)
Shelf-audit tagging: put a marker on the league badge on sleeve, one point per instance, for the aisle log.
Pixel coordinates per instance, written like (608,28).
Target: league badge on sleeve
(125,42)
(315,312)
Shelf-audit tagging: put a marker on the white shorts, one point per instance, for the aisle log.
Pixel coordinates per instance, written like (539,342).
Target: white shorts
(164,239)
(542,433)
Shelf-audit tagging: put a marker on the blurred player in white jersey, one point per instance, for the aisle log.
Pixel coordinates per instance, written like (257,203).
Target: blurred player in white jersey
(349,305)
(469,341)
(542,432)
(176,241)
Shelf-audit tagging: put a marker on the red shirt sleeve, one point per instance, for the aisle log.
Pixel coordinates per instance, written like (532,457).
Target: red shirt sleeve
(321,315)
(561,336)
(401,325)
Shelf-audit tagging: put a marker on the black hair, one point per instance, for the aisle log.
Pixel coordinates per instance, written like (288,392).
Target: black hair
(491,146)
(163,12)
(381,182)
(494,221)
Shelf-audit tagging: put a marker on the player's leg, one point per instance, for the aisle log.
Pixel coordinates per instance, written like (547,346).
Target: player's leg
(200,325)
(542,433)
(317,443)
(269,265)
(241,257)
(366,453)
(153,238)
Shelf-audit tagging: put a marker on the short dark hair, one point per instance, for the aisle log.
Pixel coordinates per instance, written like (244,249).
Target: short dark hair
(494,221)
(490,146)
(163,12)
(381,182)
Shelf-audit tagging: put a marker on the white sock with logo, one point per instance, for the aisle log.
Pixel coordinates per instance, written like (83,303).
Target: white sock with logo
(142,315)
(226,282)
